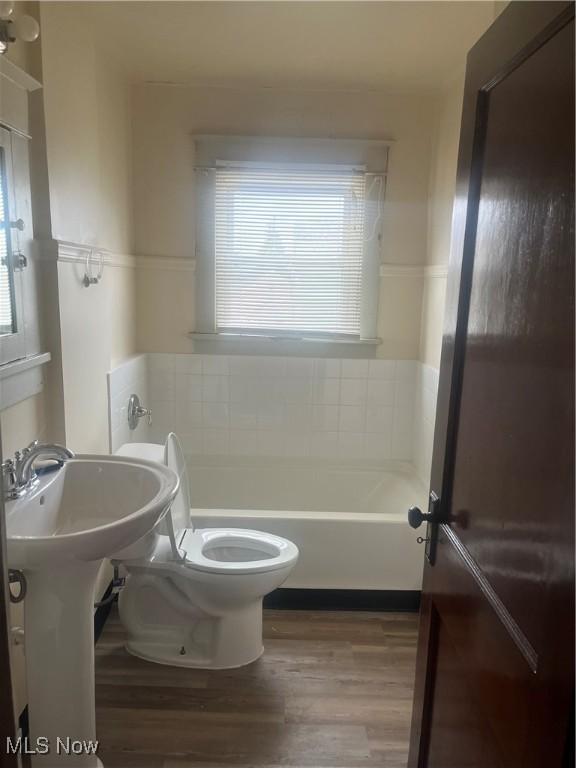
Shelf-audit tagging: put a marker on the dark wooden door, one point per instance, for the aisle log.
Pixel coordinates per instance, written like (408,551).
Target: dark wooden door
(494,681)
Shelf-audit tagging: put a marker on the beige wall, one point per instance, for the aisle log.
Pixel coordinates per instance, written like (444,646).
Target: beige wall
(444,159)
(166,117)
(22,423)
(89,159)
(442,184)
(87,109)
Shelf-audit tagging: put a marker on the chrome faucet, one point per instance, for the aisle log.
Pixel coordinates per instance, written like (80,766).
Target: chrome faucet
(18,474)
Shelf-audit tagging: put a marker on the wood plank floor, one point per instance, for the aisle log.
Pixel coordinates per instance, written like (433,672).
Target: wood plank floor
(333,690)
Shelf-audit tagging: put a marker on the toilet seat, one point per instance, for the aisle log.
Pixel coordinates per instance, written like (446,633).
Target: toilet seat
(236,551)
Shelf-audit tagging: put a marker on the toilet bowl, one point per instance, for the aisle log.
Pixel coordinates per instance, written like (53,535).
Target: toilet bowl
(193,598)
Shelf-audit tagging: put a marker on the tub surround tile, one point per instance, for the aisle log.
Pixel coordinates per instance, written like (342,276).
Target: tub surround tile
(327,369)
(351,446)
(324,445)
(257,366)
(300,367)
(351,418)
(424,417)
(215,442)
(163,420)
(215,389)
(406,370)
(379,419)
(191,364)
(326,391)
(270,416)
(380,392)
(355,369)
(402,435)
(325,418)
(382,369)
(159,361)
(243,390)
(297,390)
(189,416)
(214,365)
(273,406)
(192,442)
(377,447)
(129,378)
(161,385)
(297,445)
(270,443)
(243,415)
(244,442)
(187,388)
(216,415)
(353,391)
(297,416)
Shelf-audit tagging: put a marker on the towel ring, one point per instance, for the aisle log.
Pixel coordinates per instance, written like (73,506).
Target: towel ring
(88,278)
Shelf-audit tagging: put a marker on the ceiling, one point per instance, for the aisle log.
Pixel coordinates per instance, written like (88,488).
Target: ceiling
(344,45)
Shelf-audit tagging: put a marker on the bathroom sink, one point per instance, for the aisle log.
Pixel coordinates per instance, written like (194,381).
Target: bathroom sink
(87,510)
(58,536)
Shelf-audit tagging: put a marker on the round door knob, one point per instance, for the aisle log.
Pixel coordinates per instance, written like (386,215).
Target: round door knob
(415,517)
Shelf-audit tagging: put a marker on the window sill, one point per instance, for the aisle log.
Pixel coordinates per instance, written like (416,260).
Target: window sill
(21,379)
(248,344)
(252,337)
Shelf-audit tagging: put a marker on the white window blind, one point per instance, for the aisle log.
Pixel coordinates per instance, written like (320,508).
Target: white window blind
(289,244)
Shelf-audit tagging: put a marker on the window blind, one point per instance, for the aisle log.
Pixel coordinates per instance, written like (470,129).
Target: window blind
(289,249)
(6,312)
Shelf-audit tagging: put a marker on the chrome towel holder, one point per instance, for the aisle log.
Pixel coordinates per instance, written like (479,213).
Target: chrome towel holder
(89,279)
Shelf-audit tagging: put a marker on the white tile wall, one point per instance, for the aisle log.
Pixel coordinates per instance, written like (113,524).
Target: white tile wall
(284,406)
(426,394)
(349,410)
(129,378)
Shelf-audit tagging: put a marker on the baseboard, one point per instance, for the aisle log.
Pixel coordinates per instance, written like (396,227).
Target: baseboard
(343,599)
(100,617)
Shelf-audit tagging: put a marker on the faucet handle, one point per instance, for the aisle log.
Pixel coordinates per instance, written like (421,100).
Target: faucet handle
(136,411)
(9,479)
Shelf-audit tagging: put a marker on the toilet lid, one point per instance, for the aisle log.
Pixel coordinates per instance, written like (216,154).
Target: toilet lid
(236,550)
(174,458)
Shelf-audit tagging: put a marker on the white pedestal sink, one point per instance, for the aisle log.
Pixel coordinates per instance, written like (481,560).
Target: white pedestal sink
(58,535)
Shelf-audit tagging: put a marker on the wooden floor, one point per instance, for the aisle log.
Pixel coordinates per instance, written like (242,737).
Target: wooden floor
(333,690)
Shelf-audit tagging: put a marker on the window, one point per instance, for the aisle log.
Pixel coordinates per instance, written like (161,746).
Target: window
(288,238)
(7,319)
(20,336)
(13,197)
(288,248)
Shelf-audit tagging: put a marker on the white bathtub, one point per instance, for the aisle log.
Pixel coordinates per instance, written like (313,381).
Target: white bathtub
(349,523)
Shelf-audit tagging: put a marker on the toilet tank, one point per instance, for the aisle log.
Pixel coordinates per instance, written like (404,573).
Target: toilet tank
(172,455)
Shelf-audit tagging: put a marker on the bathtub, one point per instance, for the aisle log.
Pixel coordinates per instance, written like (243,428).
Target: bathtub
(349,523)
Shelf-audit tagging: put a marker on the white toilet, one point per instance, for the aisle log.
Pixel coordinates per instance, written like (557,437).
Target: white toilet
(193,598)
